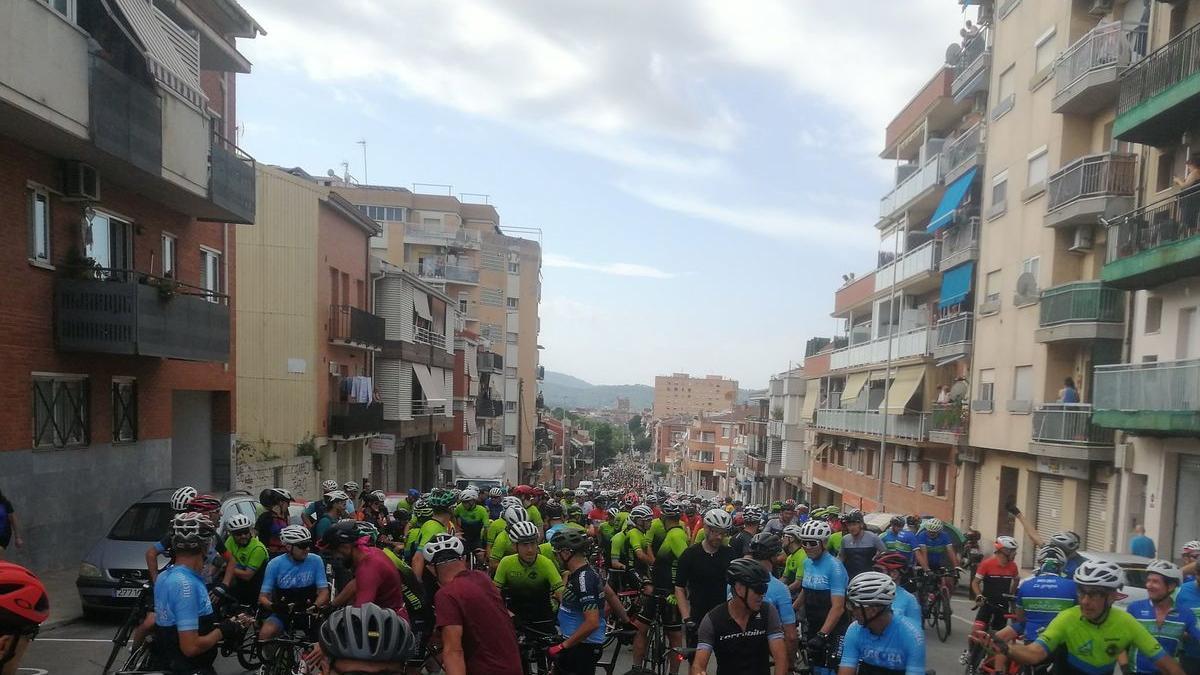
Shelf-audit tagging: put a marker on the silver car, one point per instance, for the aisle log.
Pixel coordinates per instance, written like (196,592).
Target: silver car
(1135,573)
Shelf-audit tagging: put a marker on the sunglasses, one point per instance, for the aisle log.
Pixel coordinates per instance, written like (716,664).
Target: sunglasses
(241,533)
(305,545)
(810,544)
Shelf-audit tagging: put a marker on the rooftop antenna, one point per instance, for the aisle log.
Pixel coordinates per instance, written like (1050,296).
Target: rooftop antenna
(363,143)
(345,172)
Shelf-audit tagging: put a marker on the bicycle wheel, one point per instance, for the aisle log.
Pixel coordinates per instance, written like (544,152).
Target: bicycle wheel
(943,622)
(120,640)
(248,654)
(139,659)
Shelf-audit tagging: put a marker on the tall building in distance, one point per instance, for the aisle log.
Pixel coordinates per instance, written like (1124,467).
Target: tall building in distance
(682,394)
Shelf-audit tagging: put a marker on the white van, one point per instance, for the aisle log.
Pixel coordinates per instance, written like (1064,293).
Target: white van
(584,485)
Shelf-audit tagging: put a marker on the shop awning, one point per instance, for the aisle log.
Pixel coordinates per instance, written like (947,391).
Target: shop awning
(421,305)
(429,385)
(956,285)
(479,467)
(854,385)
(812,396)
(951,200)
(907,381)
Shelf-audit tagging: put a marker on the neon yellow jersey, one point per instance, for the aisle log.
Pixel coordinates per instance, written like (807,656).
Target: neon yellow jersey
(656,533)
(835,543)
(617,547)
(251,557)
(622,519)
(536,581)
(502,547)
(793,569)
(535,515)
(428,529)
(1092,648)
(495,528)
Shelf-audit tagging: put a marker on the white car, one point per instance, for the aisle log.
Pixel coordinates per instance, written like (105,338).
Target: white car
(584,485)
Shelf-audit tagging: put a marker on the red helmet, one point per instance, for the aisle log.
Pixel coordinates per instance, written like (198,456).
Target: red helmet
(204,504)
(890,560)
(539,492)
(522,490)
(23,601)
(631,499)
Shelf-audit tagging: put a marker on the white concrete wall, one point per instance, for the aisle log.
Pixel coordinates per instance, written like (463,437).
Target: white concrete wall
(44,64)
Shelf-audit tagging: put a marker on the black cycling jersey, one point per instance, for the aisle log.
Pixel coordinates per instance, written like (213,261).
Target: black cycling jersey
(740,651)
(703,575)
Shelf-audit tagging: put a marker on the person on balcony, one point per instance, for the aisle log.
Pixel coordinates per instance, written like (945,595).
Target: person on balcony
(1068,394)
(1189,202)
(959,390)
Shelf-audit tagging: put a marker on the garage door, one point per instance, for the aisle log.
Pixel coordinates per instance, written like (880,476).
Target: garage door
(976,487)
(1098,522)
(1187,502)
(1049,505)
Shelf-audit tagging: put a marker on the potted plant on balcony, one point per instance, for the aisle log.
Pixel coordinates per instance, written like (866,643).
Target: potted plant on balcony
(167,287)
(78,266)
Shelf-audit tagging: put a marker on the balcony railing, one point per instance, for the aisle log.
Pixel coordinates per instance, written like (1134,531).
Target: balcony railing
(1081,301)
(1068,424)
(1166,67)
(1155,227)
(348,420)
(913,427)
(428,337)
(488,407)
(490,362)
(443,271)
(911,187)
(964,152)
(1109,46)
(1162,396)
(954,331)
(950,418)
(231,179)
(960,244)
(1104,175)
(427,407)
(971,66)
(125,117)
(356,327)
(913,263)
(911,343)
(442,235)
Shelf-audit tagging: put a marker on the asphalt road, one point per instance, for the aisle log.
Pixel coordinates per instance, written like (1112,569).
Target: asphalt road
(82,646)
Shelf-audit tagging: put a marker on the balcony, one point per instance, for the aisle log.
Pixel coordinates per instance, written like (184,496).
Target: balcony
(355,420)
(1091,188)
(541,373)
(1087,77)
(918,263)
(490,363)
(1082,310)
(488,408)
(231,179)
(972,68)
(1155,244)
(949,423)
(960,244)
(964,153)
(354,327)
(916,189)
(913,343)
(449,236)
(912,427)
(153,317)
(952,336)
(425,407)
(440,271)
(1152,399)
(857,293)
(424,336)
(1066,431)
(1160,95)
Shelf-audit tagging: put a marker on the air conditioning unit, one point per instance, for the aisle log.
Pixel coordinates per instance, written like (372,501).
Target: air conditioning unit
(81,182)
(1101,7)
(1082,240)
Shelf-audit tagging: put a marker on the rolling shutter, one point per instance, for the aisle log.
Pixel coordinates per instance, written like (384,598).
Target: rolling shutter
(1187,502)
(975,486)
(1049,505)
(1098,518)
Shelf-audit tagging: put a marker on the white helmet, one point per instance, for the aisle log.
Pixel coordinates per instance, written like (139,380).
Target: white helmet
(1102,573)
(871,588)
(641,512)
(350,486)
(468,494)
(514,514)
(523,531)
(793,531)
(495,492)
(1005,543)
(238,521)
(295,534)
(718,519)
(1068,541)
(511,501)
(1169,570)
(443,543)
(328,485)
(933,526)
(818,530)
(1192,547)
(336,496)
(182,497)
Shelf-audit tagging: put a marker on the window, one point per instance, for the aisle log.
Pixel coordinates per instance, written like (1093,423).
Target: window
(872,456)
(64,7)
(39,225)
(60,411)
(991,286)
(510,406)
(510,338)
(1154,307)
(395,214)
(897,468)
(1169,165)
(168,255)
(512,302)
(1030,266)
(210,273)
(124,410)
(999,192)
(108,242)
(1044,52)
(1023,383)
(1006,87)
(514,268)
(987,384)
(1038,164)
(914,473)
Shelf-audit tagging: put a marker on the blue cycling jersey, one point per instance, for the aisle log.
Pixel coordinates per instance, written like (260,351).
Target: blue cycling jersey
(1176,624)
(825,573)
(779,596)
(1073,564)
(935,547)
(284,573)
(899,649)
(582,592)
(906,605)
(180,599)
(1188,598)
(1042,598)
(905,542)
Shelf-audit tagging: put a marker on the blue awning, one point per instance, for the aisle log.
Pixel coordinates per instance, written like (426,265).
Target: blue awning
(956,284)
(944,215)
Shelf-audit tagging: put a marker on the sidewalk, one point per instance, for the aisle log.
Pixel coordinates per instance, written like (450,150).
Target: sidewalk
(64,598)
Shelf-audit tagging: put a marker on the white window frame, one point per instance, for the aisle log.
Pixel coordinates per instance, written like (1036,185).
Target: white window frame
(71,13)
(1039,43)
(36,238)
(997,180)
(171,257)
(205,282)
(512,303)
(987,384)
(1017,370)
(130,227)
(1010,71)
(1039,153)
(1033,266)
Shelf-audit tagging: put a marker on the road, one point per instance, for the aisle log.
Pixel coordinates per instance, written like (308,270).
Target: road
(82,647)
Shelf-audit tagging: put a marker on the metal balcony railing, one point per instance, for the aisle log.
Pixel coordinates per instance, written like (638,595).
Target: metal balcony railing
(1068,424)
(909,264)
(426,407)
(1166,67)
(430,268)
(971,61)
(351,325)
(1164,222)
(914,426)
(913,342)
(355,419)
(960,243)
(1166,386)
(1106,174)
(231,178)
(442,235)
(954,330)
(965,149)
(429,337)
(126,117)
(1081,301)
(490,362)
(951,418)
(1108,45)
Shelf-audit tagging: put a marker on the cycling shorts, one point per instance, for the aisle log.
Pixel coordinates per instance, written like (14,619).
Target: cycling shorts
(991,615)
(667,612)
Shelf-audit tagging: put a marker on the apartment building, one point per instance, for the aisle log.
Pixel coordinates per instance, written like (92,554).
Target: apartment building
(682,394)
(1152,396)
(787,450)
(494,278)
(666,434)
(475,443)
(748,465)
(120,189)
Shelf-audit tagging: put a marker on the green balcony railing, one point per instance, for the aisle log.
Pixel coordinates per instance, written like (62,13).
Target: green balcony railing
(1081,302)
(1159,86)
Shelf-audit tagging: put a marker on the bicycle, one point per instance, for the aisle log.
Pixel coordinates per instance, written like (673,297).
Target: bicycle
(935,601)
(975,655)
(140,657)
(246,650)
(295,642)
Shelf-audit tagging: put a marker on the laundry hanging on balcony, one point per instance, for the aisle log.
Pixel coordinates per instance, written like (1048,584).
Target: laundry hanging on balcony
(951,200)
(956,285)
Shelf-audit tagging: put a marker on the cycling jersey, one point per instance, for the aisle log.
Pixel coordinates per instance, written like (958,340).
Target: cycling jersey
(656,533)
(473,521)
(267,527)
(252,556)
(900,648)
(410,540)
(900,543)
(740,543)
(666,560)
(1188,598)
(529,589)
(740,650)
(622,518)
(1175,625)
(296,581)
(906,604)
(778,595)
(822,580)
(1042,598)
(636,540)
(857,553)
(702,574)
(1073,564)
(936,547)
(582,592)
(181,604)
(1093,649)
(501,547)
(535,515)
(616,548)
(834,544)
(793,568)
(429,529)
(776,525)
(494,529)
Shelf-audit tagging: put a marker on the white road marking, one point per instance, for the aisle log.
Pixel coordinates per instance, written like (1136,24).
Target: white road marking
(33,671)
(46,639)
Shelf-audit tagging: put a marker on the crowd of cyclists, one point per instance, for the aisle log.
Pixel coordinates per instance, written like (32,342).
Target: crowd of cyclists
(529,579)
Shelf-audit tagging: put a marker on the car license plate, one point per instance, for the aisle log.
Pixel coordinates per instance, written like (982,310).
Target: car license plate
(128,592)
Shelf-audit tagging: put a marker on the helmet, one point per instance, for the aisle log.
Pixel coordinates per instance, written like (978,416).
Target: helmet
(896,521)
(574,511)
(367,633)
(1191,548)
(933,526)
(641,512)
(523,531)
(789,505)
(366,528)
(1049,554)
(510,500)
(792,531)
(421,509)
(413,493)
(375,496)
(748,573)
(690,508)
(468,495)
(336,496)
(765,545)
(612,512)
(443,548)
(890,560)
(776,506)
(871,589)
(651,498)
(191,530)
(440,499)
(854,516)
(23,600)
(1004,543)
(1068,541)
(328,485)
(1167,570)
(572,539)
(912,521)
(495,492)
(553,511)
(579,492)
(238,521)
(718,519)
(522,490)
(671,509)
(272,496)
(753,515)
(350,486)
(295,534)
(204,504)
(818,530)
(1102,573)
(182,497)
(515,514)
(342,532)
(630,500)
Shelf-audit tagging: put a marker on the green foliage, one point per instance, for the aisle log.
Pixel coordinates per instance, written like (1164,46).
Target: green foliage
(559,413)
(635,425)
(659,469)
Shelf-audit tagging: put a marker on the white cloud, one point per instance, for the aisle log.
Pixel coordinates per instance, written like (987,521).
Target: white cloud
(620,269)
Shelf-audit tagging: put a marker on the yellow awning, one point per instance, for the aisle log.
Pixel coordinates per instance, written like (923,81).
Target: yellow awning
(812,396)
(907,381)
(854,384)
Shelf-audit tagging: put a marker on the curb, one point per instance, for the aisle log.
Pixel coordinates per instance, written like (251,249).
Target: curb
(51,624)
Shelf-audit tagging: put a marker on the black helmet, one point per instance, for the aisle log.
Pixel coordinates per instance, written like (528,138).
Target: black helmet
(748,573)
(342,532)
(765,545)
(912,521)
(571,538)
(553,510)
(854,516)
(896,521)
(367,633)
(671,509)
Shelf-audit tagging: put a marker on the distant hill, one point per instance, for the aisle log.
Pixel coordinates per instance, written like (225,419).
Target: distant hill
(566,391)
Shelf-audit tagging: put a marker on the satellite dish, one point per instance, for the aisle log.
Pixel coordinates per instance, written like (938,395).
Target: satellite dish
(331,173)
(1027,285)
(953,52)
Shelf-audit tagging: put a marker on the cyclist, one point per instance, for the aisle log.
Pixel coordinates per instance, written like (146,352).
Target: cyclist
(823,597)
(351,489)
(471,519)
(336,505)
(316,508)
(247,560)
(618,559)
(497,525)
(744,633)
(894,564)
(494,503)
(421,513)
(935,549)
(793,567)
(859,545)
(367,639)
(528,495)
(899,539)
(1093,632)
(1161,616)
(23,607)
(528,581)
(787,516)
(580,616)
(272,521)
(180,501)
(376,578)
(879,640)
(629,501)
(751,524)
(767,550)
(503,545)
(605,530)
(373,510)
(297,578)
(995,578)
(439,502)
(641,557)
(666,564)
(700,575)
(476,631)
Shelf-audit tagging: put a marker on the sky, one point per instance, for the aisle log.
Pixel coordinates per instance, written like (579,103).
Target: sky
(703,172)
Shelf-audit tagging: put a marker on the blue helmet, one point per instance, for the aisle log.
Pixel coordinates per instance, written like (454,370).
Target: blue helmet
(414,493)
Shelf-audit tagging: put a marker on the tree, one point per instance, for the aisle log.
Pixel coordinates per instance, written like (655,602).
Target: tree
(635,426)
(642,444)
(603,437)
(559,413)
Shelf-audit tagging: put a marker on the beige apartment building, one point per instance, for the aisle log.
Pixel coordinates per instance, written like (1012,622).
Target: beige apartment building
(682,394)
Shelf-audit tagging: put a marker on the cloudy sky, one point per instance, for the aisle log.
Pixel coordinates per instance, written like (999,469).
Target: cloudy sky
(702,171)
